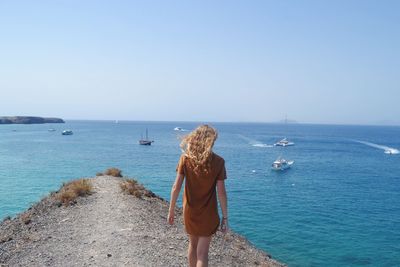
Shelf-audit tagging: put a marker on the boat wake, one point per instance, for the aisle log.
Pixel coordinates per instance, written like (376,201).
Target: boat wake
(261,145)
(253,142)
(386,149)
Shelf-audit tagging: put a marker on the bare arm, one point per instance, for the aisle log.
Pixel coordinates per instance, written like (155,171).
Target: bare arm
(223,201)
(176,188)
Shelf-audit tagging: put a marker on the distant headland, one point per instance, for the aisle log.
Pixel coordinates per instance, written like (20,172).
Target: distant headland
(28,120)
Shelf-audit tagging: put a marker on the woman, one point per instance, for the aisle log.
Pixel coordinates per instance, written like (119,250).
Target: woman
(205,172)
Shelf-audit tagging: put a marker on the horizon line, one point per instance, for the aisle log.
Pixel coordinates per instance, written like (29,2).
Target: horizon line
(251,122)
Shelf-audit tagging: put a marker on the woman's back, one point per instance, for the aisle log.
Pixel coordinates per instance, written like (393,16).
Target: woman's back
(200,206)
(203,172)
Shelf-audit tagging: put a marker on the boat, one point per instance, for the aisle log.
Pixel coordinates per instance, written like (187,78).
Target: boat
(391,151)
(51,130)
(281,164)
(146,141)
(180,129)
(67,132)
(284,142)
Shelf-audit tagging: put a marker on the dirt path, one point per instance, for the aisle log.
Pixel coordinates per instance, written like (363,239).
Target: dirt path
(110,228)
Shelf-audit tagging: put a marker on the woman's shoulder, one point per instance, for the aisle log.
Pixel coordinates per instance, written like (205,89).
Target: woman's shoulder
(183,157)
(218,158)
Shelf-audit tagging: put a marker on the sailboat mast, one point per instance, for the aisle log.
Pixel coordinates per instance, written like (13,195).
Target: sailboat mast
(147,134)
(286,127)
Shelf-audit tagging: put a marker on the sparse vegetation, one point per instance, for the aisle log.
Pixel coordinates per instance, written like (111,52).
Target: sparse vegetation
(70,191)
(137,194)
(113,172)
(132,187)
(99,174)
(149,193)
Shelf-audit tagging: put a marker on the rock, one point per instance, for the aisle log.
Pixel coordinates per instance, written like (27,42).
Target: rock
(8,218)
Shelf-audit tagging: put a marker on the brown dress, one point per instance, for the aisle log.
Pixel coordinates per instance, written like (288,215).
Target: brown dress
(200,208)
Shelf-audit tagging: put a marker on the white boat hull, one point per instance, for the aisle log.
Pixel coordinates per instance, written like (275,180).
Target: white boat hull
(391,151)
(284,142)
(278,166)
(67,132)
(288,144)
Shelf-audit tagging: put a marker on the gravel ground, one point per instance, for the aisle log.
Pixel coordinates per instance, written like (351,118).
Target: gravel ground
(110,228)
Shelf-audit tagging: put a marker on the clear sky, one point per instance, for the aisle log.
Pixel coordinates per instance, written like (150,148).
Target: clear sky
(316,61)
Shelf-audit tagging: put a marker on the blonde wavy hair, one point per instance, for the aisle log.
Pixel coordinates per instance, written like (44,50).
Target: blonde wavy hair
(198,145)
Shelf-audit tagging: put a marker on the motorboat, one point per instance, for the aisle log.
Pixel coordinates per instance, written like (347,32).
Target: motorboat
(180,129)
(51,130)
(146,141)
(281,164)
(391,151)
(67,132)
(284,142)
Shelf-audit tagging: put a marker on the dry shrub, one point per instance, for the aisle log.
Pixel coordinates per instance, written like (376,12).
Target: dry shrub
(67,197)
(70,191)
(129,186)
(149,193)
(138,194)
(132,187)
(99,174)
(113,172)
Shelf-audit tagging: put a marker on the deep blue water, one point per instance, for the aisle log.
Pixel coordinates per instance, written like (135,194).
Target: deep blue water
(338,206)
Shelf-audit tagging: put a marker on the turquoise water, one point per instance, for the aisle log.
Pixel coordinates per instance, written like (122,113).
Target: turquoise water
(338,206)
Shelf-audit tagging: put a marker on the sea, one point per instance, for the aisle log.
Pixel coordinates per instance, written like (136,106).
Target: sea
(338,205)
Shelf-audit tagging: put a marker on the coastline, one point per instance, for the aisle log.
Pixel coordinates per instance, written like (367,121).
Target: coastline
(110,227)
(28,120)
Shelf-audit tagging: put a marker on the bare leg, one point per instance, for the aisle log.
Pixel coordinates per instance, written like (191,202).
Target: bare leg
(202,251)
(192,251)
